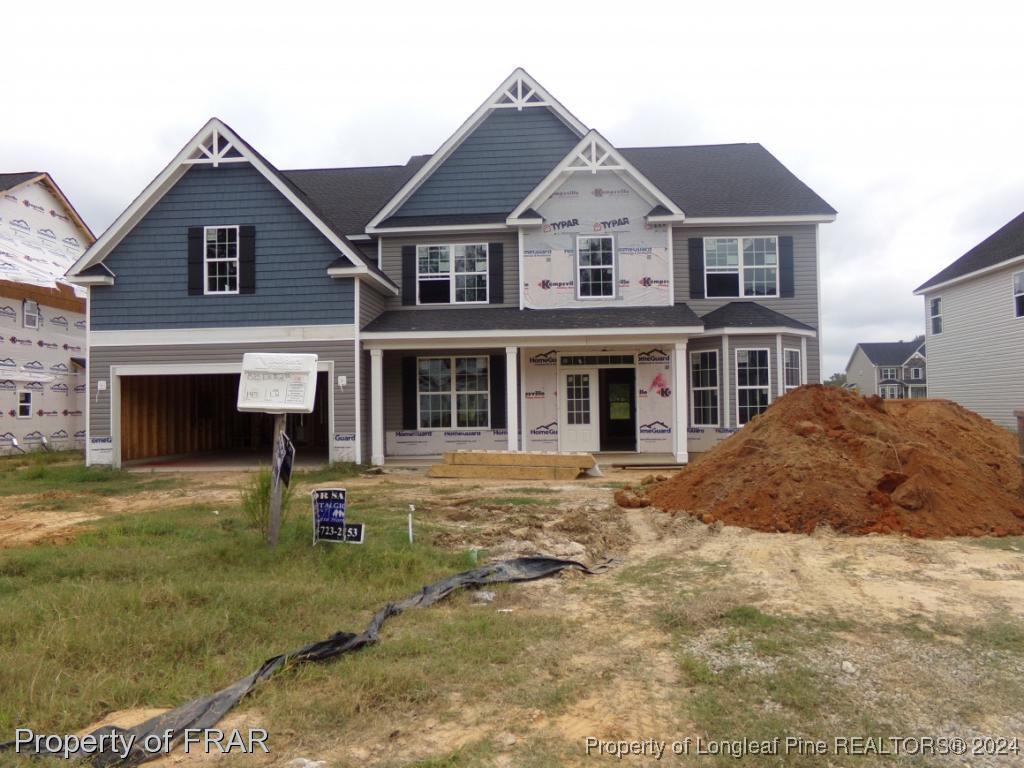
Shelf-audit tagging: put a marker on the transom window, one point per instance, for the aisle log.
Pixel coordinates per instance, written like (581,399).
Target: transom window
(704,388)
(1018,294)
(30,314)
(753,384)
(792,369)
(451,274)
(24,405)
(577,398)
(220,260)
(444,382)
(741,266)
(935,313)
(595,261)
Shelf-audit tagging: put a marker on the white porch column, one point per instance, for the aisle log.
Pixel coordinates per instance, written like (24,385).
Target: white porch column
(680,436)
(803,362)
(512,396)
(723,418)
(377,406)
(780,386)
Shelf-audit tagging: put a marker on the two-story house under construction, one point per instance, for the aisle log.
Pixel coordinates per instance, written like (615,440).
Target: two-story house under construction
(528,286)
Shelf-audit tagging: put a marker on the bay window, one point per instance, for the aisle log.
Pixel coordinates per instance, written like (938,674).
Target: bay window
(738,267)
(753,384)
(704,388)
(791,369)
(595,264)
(452,392)
(451,274)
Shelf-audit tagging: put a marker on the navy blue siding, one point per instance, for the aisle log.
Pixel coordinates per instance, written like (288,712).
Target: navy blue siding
(292,256)
(496,166)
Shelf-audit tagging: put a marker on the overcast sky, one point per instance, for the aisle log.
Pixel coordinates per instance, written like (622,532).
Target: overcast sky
(906,117)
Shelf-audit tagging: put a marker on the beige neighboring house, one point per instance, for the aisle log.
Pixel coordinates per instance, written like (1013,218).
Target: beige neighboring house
(891,369)
(43,399)
(974,311)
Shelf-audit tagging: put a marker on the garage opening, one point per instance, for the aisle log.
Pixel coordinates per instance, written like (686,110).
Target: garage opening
(195,416)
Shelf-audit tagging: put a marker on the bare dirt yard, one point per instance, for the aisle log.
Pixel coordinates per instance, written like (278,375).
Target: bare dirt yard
(134,598)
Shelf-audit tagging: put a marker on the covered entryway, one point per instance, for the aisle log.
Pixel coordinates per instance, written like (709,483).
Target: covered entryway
(195,415)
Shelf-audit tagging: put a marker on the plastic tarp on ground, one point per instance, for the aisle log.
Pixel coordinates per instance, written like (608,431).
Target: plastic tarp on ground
(207,711)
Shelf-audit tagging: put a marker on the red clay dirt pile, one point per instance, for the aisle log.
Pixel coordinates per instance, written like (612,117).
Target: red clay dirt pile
(823,455)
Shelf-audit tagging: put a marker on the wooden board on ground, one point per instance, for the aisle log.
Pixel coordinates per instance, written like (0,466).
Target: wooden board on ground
(503,472)
(521,459)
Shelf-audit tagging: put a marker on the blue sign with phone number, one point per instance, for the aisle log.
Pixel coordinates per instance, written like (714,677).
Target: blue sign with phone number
(329,518)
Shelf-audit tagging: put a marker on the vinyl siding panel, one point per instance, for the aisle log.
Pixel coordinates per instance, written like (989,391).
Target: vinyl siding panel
(391,262)
(292,256)
(496,166)
(862,374)
(978,359)
(371,304)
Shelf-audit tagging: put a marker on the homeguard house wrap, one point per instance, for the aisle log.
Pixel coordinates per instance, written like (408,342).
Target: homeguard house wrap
(528,286)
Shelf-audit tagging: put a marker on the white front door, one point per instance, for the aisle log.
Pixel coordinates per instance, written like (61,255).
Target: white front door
(578,426)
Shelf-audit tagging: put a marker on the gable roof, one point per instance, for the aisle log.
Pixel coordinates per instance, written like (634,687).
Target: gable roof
(750,314)
(519,92)
(891,353)
(217,143)
(11,180)
(1003,245)
(727,180)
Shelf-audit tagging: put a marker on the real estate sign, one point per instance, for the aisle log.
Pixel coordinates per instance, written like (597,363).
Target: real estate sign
(277,383)
(329,522)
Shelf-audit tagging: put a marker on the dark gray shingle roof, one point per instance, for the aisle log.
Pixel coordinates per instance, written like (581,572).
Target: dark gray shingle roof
(727,180)
(890,353)
(1004,244)
(750,314)
(9,180)
(512,318)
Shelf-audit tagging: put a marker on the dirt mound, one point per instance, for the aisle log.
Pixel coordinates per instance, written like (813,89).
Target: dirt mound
(825,456)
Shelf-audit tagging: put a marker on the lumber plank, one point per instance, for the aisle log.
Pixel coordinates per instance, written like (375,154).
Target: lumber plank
(498,472)
(521,458)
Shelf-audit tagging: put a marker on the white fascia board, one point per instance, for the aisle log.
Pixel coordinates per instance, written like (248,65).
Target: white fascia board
(539,193)
(801,219)
(364,274)
(91,280)
(970,276)
(237,335)
(441,228)
(453,142)
(524,222)
(503,337)
(173,172)
(179,369)
(359,237)
(766,331)
(674,218)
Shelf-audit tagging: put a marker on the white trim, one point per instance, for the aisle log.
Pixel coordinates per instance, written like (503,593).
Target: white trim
(496,227)
(170,176)
(680,411)
(795,219)
(929,305)
(237,259)
(511,395)
(800,369)
(517,79)
(246,335)
(740,267)
(673,218)
(671,269)
(519,286)
(88,374)
(358,359)
(803,361)
(582,337)
(592,154)
(25,315)
(726,384)
(1016,295)
(19,404)
(817,300)
(376,407)
(763,331)
(976,273)
(717,388)
(380,253)
(452,275)
(768,387)
(360,237)
(521,222)
(453,392)
(90,280)
(615,268)
(780,384)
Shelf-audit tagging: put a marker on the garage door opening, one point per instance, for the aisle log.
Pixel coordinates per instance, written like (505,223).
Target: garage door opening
(195,417)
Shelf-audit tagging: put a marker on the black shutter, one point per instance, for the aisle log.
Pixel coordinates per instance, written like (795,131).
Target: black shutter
(195,261)
(786,282)
(496,272)
(696,252)
(409,393)
(499,419)
(247,259)
(408,274)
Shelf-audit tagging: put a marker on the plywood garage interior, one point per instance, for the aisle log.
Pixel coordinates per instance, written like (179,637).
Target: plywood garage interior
(183,415)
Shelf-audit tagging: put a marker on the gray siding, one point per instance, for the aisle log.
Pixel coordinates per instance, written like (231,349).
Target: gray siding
(804,304)
(292,256)
(391,261)
(341,352)
(496,166)
(862,374)
(977,360)
(371,304)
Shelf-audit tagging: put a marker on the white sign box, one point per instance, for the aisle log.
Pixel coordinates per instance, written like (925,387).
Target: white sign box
(277,383)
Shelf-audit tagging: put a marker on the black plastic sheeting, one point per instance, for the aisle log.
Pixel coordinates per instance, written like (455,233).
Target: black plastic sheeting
(207,711)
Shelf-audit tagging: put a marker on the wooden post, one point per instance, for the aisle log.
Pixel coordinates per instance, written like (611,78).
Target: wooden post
(274,526)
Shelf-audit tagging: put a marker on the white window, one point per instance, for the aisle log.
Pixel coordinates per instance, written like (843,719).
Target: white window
(444,382)
(704,388)
(741,266)
(792,369)
(890,391)
(451,274)
(935,313)
(24,405)
(30,314)
(890,373)
(753,384)
(595,264)
(220,260)
(916,374)
(1018,294)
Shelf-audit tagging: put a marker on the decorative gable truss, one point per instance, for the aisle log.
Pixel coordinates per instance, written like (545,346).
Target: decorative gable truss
(216,143)
(594,154)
